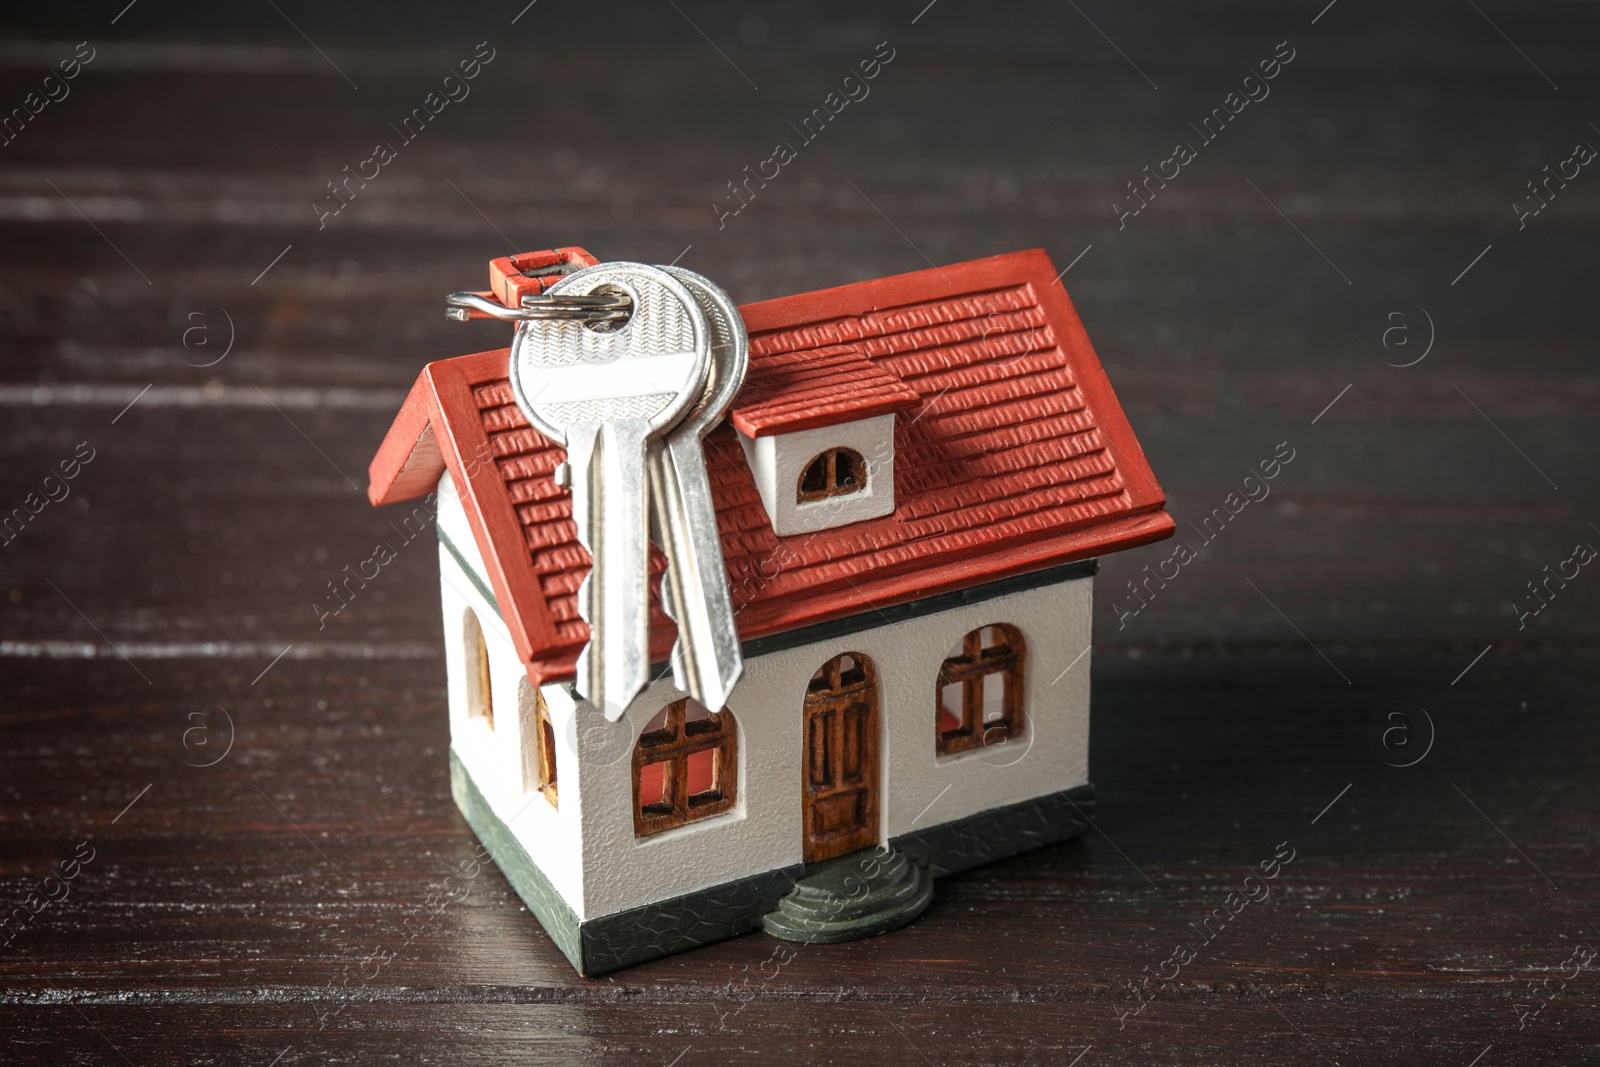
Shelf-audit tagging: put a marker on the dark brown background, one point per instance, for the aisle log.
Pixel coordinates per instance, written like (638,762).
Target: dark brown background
(231,906)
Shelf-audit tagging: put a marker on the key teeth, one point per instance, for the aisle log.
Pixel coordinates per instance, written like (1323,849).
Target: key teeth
(609,707)
(614,711)
(699,674)
(713,700)
(606,700)
(603,700)
(669,606)
(724,691)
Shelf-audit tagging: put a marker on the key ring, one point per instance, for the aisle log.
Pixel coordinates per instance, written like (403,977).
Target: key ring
(598,307)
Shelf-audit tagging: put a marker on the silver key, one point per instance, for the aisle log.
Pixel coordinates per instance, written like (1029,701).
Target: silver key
(605,394)
(706,661)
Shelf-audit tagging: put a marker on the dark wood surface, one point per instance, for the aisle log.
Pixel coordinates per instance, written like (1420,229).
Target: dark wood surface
(275,907)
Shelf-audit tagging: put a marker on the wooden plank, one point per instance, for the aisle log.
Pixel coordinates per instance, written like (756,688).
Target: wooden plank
(205,895)
(228,912)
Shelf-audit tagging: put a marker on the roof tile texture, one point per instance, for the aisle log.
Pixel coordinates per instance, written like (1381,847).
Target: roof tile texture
(1010,453)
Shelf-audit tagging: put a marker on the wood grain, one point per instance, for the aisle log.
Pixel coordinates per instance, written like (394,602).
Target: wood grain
(839,792)
(305,897)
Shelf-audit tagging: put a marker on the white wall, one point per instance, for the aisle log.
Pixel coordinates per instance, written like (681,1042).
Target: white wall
(776,463)
(588,849)
(493,757)
(918,789)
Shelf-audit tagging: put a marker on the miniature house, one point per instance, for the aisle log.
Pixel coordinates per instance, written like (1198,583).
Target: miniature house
(912,490)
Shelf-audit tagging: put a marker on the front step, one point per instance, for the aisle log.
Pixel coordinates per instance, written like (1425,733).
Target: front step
(858,895)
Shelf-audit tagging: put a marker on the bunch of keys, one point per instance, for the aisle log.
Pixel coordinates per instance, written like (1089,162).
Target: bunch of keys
(629,366)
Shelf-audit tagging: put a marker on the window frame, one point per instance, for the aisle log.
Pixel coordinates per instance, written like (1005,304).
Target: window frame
(672,745)
(831,487)
(1009,659)
(480,687)
(539,770)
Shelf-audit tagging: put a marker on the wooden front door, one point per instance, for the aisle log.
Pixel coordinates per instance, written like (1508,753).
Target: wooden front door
(839,788)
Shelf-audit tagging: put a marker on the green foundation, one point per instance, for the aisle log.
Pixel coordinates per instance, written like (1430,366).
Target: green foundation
(853,896)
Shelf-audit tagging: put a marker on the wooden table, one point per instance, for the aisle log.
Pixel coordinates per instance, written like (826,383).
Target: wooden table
(273,907)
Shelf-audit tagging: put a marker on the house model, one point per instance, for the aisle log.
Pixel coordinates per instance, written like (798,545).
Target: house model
(912,489)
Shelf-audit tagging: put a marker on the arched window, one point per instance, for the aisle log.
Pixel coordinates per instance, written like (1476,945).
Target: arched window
(480,697)
(979,691)
(685,767)
(538,742)
(834,473)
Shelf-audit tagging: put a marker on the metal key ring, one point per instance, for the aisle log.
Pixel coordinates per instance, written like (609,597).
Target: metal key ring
(597,307)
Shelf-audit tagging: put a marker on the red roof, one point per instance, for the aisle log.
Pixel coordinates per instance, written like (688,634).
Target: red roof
(1018,457)
(787,391)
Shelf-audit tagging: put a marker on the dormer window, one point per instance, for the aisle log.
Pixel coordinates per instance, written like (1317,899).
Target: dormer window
(836,472)
(818,432)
